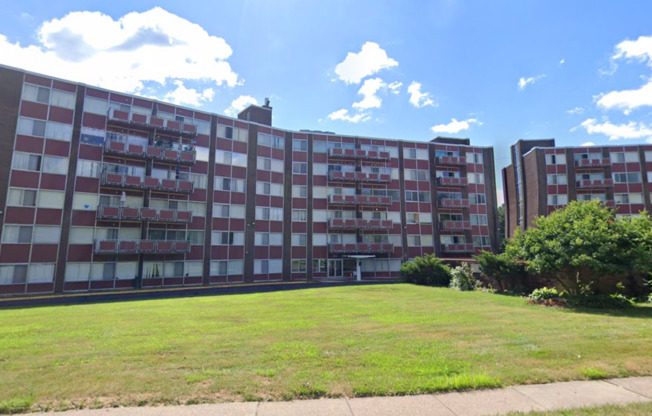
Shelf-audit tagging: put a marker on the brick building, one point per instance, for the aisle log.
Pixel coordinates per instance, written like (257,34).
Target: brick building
(102,190)
(543,177)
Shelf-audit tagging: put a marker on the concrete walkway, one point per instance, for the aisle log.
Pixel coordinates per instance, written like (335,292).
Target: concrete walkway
(483,402)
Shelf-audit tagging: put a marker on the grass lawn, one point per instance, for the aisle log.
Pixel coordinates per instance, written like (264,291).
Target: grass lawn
(353,341)
(636,409)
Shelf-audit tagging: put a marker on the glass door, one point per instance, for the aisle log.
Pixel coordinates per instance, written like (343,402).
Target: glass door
(334,268)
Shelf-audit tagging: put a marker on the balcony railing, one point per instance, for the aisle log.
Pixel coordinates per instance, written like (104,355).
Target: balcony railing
(457,248)
(124,117)
(596,183)
(358,154)
(108,212)
(359,224)
(359,177)
(120,180)
(366,200)
(450,160)
(149,152)
(455,225)
(454,203)
(360,248)
(141,247)
(586,163)
(455,182)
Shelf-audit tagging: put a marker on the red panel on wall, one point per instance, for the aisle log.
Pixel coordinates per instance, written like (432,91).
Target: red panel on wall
(64,86)
(240,147)
(60,115)
(29,144)
(238,198)
(52,181)
(299,203)
(14,253)
(83,218)
(198,195)
(97,93)
(48,216)
(197,223)
(275,252)
(34,110)
(221,224)
(90,152)
(35,79)
(139,102)
(118,98)
(20,215)
(300,156)
(94,121)
(276,226)
(57,148)
(277,154)
(263,176)
(90,185)
(24,179)
(237,224)
(276,201)
(261,252)
(299,179)
(44,253)
(199,167)
(236,252)
(221,197)
(224,144)
(299,227)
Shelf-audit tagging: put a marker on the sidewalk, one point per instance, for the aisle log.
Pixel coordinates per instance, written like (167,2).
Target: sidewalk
(483,402)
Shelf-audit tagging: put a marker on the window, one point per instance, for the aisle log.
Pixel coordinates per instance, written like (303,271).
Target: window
(31,127)
(557,199)
(196,237)
(557,180)
(411,153)
(618,157)
(22,197)
(299,239)
(479,219)
(299,167)
(414,240)
(319,265)
(478,198)
(13,274)
(299,191)
(264,163)
(63,99)
(299,266)
(223,238)
(412,217)
(198,180)
(221,210)
(58,131)
(634,198)
(299,215)
(415,196)
(261,239)
(555,159)
(222,157)
(219,268)
(54,164)
(476,178)
(262,213)
(46,235)
(17,234)
(278,142)
(224,131)
(481,241)
(88,168)
(476,158)
(416,175)
(36,93)
(631,177)
(26,161)
(300,145)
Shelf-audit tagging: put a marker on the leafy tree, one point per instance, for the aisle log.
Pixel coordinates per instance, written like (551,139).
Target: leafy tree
(427,270)
(462,278)
(501,269)
(501,227)
(584,244)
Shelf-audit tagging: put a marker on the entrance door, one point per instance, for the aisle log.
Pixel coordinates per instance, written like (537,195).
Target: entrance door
(335,268)
(349,268)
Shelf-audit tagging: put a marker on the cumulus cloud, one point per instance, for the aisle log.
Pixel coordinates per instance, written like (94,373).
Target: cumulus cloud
(417,98)
(240,104)
(524,82)
(154,47)
(368,91)
(344,116)
(371,59)
(576,110)
(455,126)
(395,87)
(562,61)
(587,144)
(628,100)
(631,130)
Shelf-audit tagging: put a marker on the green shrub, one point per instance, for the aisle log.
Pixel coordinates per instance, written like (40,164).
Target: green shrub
(509,275)
(427,270)
(613,301)
(544,294)
(462,278)
(16,405)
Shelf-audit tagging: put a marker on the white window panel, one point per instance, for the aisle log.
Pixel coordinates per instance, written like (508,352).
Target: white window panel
(235,267)
(40,272)
(88,168)
(63,99)
(237,211)
(84,201)
(47,234)
(319,215)
(275,239)
(76,272)
(320,169)
(26,161)
(194,268)
(81,235)
(55,164)
(22,197)
(36,93)
(17,234)
(197,208)
(319,240)
(96,106)
(126,270)
(58,131)
(319,192)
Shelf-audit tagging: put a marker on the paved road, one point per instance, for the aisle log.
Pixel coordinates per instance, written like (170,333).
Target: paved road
(476,403)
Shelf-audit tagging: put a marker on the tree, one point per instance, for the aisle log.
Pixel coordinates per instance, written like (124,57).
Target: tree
(501,227)
(427,270)
(584,244)
(501,269)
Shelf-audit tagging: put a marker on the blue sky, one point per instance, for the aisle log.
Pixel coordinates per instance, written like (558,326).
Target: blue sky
(494,71)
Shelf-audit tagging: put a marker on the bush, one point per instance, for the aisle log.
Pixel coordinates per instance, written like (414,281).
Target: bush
(427,270)
(544,294)
(462,278)
(501,269)
(613,301)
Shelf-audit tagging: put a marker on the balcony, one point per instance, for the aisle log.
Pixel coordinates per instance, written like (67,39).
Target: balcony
(596,183)
(457,248)
(339,176)
(107,212)
(453,182)
(124,118)
(359,224)
(150,152)
(141,247)
(450,160)
(454,203)
(454,225)
(119,180)
(365,200)
(592,163)
(353,154)
(360,248)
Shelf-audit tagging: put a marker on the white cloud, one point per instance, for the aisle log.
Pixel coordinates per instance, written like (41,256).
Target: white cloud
(455,126)
(368,91)
(587,144)
(417,98)
(562,62)
(343,115)
(371,59)
(631,130)
(395,87)
(576,110)
(240,104)
(628,100)
(190,96)
(154,46)
(524,82)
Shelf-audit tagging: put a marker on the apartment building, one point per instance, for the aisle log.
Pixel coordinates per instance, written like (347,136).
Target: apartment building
(101,191)
(543,177)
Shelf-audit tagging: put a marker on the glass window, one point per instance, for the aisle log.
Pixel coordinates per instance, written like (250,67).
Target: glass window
(299,239)
(21,197)
(17,234)
(299,167)
(299,215)
(299,266)
(300,145)
(26,161)
(299,191)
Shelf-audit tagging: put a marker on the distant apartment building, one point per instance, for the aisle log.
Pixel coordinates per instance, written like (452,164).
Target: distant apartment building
(543,177)
(100,190)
